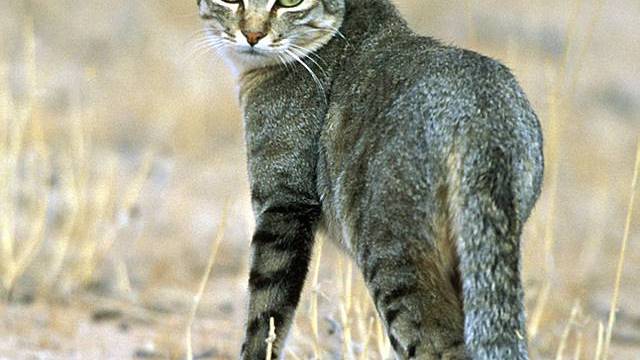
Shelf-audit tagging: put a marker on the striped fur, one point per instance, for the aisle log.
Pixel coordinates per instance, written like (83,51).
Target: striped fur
(423,161)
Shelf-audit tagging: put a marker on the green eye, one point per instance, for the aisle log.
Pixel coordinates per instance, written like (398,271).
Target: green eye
(289,3)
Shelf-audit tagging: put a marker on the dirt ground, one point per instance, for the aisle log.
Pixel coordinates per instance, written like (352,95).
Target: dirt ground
(122,151)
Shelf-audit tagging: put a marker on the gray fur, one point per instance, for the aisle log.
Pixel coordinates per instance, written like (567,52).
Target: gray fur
(422,160)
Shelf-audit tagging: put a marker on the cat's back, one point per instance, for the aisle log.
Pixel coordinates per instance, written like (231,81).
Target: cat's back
(407,80)
(410,101)
(424,69)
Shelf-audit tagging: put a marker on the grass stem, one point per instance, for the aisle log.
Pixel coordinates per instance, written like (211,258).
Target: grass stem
(203,282)
(623,250)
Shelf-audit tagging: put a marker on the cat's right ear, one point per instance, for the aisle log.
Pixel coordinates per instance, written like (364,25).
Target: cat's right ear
(204,10)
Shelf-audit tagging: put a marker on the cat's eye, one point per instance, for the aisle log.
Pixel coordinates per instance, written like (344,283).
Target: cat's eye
(288,3)
(231,1)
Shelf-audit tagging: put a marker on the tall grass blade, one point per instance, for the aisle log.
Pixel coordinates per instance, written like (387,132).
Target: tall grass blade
(623,250)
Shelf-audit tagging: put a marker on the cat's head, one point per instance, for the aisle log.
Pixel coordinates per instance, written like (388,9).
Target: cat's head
(255,33)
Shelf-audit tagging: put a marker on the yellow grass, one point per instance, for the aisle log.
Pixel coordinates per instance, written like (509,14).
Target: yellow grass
(271,338)
(623,252)
(567,331)
(313,306)
(203,283)
(89,198)
(110,192)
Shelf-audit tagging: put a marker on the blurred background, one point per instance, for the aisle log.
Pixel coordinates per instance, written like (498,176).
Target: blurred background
(122,178)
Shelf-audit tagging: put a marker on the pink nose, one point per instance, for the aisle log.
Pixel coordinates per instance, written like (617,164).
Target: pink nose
(253,37)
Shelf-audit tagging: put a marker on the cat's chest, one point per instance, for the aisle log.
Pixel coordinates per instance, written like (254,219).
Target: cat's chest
(277,114)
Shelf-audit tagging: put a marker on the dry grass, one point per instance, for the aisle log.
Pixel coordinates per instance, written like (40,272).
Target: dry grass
(623,253)
(203,283)
(118,153)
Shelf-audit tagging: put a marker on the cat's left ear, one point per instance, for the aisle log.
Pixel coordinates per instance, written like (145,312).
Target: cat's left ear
(334,6)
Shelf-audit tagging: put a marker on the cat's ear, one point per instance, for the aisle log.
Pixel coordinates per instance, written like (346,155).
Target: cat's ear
(334,6)
(203,9)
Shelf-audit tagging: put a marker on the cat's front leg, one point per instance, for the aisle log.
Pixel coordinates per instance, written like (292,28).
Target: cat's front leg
(282,245)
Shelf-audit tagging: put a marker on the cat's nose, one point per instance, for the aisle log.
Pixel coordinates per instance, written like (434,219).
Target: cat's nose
(253,37)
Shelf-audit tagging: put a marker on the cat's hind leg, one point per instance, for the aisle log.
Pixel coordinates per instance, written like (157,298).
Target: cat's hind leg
(415,296)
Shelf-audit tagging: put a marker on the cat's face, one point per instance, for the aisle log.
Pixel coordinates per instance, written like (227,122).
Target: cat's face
(254,33)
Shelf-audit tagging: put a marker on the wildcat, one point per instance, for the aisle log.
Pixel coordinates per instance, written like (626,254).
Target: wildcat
(423,161)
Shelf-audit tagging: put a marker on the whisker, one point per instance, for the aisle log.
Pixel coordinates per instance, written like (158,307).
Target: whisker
(203,38)
(203,49)
(327,28)
(337,31)
(204,33)
(290,60)
(282,61)
(302,54)
(279,51)
(206,41)
(200,31)
(314,39)
(313,75)
(308,52)
(208,38)
(205,44)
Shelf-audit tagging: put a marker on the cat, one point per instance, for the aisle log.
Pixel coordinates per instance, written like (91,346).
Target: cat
(422,160)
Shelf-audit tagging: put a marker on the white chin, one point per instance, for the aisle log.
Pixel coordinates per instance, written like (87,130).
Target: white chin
(243,59)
